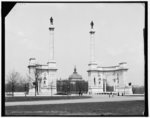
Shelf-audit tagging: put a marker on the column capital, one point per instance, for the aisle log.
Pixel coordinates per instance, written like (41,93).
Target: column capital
(51,28)
(92,32)
(92,44)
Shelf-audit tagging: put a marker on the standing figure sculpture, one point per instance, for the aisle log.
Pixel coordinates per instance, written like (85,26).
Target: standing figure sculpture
(92,24)
(51,20)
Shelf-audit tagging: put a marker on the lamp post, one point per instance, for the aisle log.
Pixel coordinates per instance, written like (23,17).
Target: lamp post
(25,88)
(51,86)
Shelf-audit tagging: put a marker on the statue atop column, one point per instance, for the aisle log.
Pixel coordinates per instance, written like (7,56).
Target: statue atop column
(51,20)
(92,24)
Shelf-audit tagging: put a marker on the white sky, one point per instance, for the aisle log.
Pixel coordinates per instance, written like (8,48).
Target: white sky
(119,36)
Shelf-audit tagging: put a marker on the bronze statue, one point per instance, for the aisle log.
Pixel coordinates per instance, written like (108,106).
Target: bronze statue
(51,20)
(92,24)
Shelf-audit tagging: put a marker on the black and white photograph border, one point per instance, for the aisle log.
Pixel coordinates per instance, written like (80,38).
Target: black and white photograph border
(74,58)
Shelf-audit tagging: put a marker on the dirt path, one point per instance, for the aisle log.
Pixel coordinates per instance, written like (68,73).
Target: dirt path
(93,99)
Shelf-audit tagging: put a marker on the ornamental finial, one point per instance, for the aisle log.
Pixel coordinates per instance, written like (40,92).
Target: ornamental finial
(75,70)
(92,24)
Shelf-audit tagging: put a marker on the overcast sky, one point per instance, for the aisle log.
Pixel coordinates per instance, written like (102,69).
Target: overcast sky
(118,37)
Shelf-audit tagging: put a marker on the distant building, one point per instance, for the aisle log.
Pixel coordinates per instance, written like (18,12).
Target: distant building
(73,85)
(75,76)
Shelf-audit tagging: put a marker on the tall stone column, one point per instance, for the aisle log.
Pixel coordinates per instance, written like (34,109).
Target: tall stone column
(92,44)
(52,62)
(92,76)
(51,29)
(52,69)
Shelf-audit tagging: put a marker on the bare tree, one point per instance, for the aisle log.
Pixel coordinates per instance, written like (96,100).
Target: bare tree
(37,74)
(25,84)
(29,81)
(13,77)
(33,80)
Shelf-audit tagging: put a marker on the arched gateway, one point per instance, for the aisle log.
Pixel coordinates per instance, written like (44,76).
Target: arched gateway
(45,76)
(100,77)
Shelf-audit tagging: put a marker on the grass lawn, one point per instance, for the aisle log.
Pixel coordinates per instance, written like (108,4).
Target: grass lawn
(125,108)
(33,98)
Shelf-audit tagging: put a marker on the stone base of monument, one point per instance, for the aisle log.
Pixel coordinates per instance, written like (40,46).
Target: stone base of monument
(124,90)
(48,92)
(127,90)
(43,92)
(95,90)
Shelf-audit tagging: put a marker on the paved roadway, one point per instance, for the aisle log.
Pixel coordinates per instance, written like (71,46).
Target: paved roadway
(98,98)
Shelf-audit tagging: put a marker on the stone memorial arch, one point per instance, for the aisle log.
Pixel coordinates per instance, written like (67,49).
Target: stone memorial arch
(99,77)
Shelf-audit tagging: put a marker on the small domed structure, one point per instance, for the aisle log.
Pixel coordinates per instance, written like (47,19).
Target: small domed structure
(75,76)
